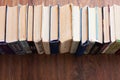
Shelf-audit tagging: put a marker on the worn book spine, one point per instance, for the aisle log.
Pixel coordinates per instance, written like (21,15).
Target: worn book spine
(16,47)
(81,48)
(96,48)
(39,47)
(88,47)
(5,49)
(54,46)
(25,47)
(32,47)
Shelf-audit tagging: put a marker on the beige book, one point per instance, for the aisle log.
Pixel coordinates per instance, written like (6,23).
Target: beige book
(75,28)
(106,25)
(65,28)
(12,24)
(54,23)
(2,22)
(22,22)
(84,24)
(45,28)
(30,24)
(38,28)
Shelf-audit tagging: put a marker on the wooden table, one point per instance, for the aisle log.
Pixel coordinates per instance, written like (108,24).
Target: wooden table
(62,67)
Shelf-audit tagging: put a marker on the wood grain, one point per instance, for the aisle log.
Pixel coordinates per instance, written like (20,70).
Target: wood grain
(60,67)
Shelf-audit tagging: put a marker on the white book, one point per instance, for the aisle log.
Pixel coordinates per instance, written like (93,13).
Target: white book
(38,28)
(75,28)
(45,28)
(92,24)
(84,24)
(99,27)
(106,25)
(112,23)
(2,22)
(117,21)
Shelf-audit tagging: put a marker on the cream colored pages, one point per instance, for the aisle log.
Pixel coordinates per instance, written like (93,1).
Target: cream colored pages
(12,24)
(65,28)
(99,25)
(45,28)
(37,22)
(112,23)
(22,22)
(106,25)
(117,21)
(92,23)
(30,23)
(84,24)
(75,28)
(2,22)
(54,23)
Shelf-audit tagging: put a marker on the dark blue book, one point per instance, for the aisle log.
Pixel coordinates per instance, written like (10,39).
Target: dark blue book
(54,30)
(81,48)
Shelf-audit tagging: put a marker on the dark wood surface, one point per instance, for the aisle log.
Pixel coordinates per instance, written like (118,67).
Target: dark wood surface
(61,67)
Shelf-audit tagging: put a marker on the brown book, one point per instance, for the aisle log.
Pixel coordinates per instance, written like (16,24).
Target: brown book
(65,28)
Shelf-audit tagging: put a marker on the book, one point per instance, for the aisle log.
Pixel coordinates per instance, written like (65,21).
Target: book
(12,30)
(75,29)
(84,31)
(115,46)
(46,28)
(65,28)
(30,28)
(22,28)
(4,48)
(54,30)
(96,32)
(37,33)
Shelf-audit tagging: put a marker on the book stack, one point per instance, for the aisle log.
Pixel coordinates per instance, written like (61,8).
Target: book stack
(27,28)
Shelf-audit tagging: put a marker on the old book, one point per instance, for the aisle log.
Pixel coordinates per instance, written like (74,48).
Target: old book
(46,28)
(38,28)
(22,28)
(84,31)
(4,48)
(96,43)
(65,28)
(115,46)
(75,29)
(54,30)
(30,24)
(12,29)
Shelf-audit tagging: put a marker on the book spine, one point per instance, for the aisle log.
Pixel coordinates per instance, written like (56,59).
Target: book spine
(54,46)
(25,47)
(1,50)
(96,47)
(81,48)
(39,47)
(5,48)
(88,47)
(32,46)
(105,45)
(16,47)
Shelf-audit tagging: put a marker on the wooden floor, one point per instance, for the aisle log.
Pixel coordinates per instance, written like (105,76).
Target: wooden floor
(59,67)
(62,67)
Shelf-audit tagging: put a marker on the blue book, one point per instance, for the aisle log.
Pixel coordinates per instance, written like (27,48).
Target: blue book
(54,29)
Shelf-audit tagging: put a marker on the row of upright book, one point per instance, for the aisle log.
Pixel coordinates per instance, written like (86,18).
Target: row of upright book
(26,29)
